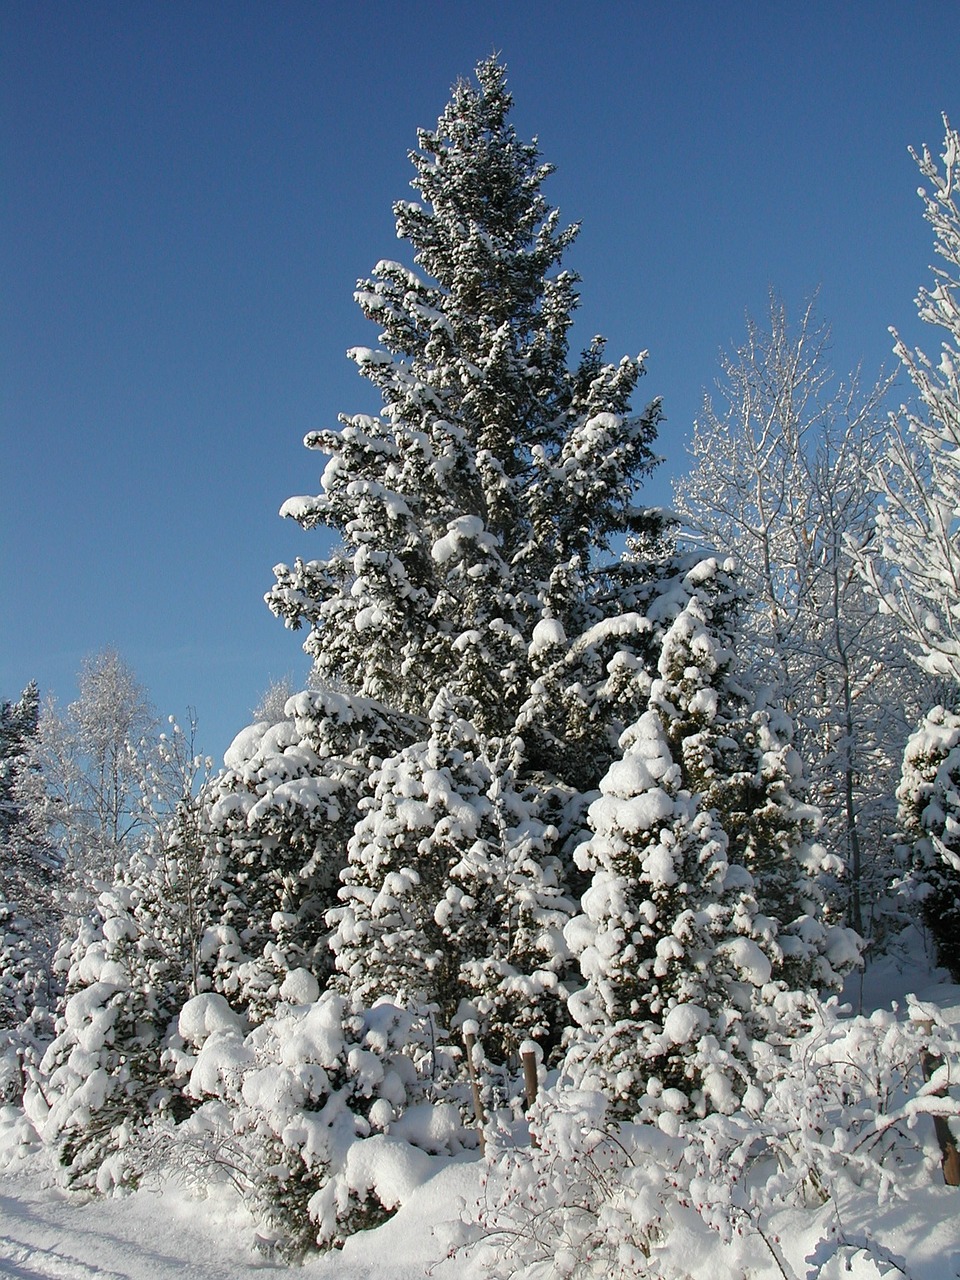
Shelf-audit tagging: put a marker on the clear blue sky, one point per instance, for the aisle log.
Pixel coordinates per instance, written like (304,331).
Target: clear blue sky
(189,192)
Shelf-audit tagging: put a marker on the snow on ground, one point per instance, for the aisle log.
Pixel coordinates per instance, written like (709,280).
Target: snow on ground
(46,1236)
(907,966)
(166,1235)
(152,1235)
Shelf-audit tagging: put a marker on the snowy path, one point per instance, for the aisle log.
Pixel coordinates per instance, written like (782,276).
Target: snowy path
(44,1235)
(29,1263)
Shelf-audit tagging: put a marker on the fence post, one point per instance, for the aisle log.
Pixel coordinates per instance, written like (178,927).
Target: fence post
(531,1056)
(470,1031)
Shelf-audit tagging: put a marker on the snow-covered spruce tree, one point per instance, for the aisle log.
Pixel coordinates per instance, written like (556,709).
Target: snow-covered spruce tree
(478,501)
(18,726)
(929,815)
(103,800)
(478,513)
(101,1078)
(277,821)
(142,950)
(27,865)
(28,914)
(700,929)
(452,898)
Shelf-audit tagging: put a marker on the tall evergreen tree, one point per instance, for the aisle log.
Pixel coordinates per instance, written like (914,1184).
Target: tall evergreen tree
(18,727)
(478,568)
(478,501)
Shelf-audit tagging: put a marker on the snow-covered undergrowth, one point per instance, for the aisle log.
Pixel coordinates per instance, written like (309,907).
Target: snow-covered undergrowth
(834,1140)
(829,1169)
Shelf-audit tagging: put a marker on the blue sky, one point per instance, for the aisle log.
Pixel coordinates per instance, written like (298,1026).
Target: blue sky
(190,191)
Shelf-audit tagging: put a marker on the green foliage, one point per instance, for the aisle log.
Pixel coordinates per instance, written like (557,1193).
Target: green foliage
(929,816)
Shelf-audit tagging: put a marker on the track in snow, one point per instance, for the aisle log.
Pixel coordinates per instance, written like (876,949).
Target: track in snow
(30,1262)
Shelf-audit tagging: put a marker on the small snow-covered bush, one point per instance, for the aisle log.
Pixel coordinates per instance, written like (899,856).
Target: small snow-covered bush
(102,1079)
(838,1109)
(592,1198)
(847,1102)
(322,1115)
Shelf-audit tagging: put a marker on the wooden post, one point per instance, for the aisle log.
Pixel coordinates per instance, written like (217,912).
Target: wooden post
(528,1057)
(531,1057)
(949,1156)
(470,1030)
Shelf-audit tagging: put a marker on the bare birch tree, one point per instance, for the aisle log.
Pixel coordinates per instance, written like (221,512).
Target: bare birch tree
(781,479)
(913,562)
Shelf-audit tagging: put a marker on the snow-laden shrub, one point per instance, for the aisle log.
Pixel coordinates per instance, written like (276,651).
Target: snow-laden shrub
(846,1107)
(592,1198)
(27,992)
(323,1116)
(102,1079)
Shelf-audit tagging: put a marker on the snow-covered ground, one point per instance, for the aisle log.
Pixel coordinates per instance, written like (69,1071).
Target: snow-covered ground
(166,1235)
(154,1235)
